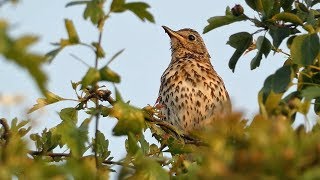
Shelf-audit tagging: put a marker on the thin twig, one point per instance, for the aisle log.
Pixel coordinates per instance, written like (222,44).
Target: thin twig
(79,59)
(51,154)
(118,163)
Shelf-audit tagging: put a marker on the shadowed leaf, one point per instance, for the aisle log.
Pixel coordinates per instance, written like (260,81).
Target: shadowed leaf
(282,79)
(311,92)
(278,34)
(264,48)
(240,41)
(218,21)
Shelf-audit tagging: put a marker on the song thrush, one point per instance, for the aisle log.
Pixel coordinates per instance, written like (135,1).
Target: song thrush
(191,92)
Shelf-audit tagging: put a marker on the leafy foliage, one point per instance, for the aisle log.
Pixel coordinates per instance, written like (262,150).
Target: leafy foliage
(17,51)
(225,149)
(281,19)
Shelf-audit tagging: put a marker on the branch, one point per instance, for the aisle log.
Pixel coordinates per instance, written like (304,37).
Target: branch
(53,155)
(167,126)
(6,128)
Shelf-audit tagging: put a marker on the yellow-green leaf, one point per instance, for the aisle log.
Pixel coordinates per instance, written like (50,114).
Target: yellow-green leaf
(288,17)
(72,32)
(107,74)
(130,118)
(50,98)
(92,76)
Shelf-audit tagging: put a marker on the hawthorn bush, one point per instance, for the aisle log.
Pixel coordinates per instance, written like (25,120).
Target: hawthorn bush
(268,148)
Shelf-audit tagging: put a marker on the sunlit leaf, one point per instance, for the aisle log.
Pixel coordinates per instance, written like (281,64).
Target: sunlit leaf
(240,41)
(50,98)
(100,146)
(107,74)
(75,137)
(17,50)
(130,119)
(288,17)
(72,32)
(131,144)
(92,76)
(147,168)
(94,11)
(305,48)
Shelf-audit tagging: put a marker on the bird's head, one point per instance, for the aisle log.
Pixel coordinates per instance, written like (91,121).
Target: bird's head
(186,40)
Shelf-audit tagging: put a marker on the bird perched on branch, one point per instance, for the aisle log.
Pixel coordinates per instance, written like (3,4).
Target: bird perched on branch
(191,93)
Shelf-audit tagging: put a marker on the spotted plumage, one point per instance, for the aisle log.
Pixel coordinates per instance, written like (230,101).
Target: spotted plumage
(191,92)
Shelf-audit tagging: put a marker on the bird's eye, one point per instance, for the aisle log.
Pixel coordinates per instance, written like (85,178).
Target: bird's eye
(191,37)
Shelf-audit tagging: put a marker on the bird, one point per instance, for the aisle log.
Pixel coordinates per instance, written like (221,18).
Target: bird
(191,92)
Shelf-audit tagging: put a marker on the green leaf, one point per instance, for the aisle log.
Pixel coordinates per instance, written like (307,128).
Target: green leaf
(288,17)
(107,74)
(69,115)
(17,50)
(94,11)
(240,41)
(267,87)
(140,10)
(130,119)
(100,146)
(311,92)
(92,76)
(52,54)
(253,5)
(147,168)
(305,48)
(73,3)
(286,4)
(72,32)
(99,50)
(117,6)
(131,145)
(267,6)
(282,79)
(218,21)
(278,34)
(264,47)
(76,138)
(50,98)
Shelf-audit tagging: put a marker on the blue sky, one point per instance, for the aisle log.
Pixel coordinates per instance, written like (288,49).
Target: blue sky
(146,55)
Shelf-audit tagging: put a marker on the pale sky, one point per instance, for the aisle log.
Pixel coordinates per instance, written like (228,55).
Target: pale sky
(146,56)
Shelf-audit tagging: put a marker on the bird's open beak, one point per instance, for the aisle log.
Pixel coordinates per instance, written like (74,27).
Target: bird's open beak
(172,33)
